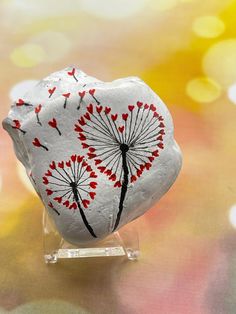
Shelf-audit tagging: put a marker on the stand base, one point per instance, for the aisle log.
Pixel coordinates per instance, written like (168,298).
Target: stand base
(122,243)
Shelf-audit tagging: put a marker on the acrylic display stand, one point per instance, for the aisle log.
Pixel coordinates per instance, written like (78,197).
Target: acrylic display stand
(122,243)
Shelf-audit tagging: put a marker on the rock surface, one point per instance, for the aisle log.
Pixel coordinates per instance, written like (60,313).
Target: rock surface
(98,154)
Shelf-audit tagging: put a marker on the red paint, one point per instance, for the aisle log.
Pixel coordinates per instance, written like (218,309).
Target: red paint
(92,91)
(72,72)
(38,108)
(36,142)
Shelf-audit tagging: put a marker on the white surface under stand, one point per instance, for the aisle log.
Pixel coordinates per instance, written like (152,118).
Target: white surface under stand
(123,243)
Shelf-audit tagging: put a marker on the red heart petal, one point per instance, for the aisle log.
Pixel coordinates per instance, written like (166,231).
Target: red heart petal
(92,195)
(93,175)
(53,165)
(160,145)
(53,123)
(101,168)
(61,164)
(90,108)
(82,121)
(114,116)
(155,153)
(121,129)
(99,109)
(88,168)
(86,203)
(162,132)
(152,107)
(78,128)
(97,161)
(159,138)
(84,145)
(72,72)
(117,184)
(82,137)
(112,177)
(82,94)
(68,163)
(48,173)
(161,125)
(45,180)
(108,172)
(66,203)
(51,90)
(80,158)
(148,165)
(125,116)
(73,206)
(87,116)
(93,185)
(20,102)
(58,199)
(91,155)
(92,91)
(73,158)
(107,110)
(133,178)
(36,142)
(67,95)
(38,108)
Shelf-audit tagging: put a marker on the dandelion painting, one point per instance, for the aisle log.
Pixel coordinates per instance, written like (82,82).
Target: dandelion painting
(72,184)
(122,146)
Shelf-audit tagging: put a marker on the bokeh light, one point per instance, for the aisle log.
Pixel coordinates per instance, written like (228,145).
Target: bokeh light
(55,45)
(19,89)
(28,55)
(185,50)
(112,9)
(232,215)
(203,89)
(232,93)
(163,5)
(0,182)
(208,26)
(219,62)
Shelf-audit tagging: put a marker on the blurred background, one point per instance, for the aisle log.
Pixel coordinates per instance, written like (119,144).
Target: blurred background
(186,51)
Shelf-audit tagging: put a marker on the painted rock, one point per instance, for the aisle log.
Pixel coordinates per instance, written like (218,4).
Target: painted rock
(98,154)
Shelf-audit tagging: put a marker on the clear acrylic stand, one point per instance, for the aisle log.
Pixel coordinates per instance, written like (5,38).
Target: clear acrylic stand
(122,243)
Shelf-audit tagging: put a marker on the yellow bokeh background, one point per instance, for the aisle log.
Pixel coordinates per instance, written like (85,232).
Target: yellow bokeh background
(186,51)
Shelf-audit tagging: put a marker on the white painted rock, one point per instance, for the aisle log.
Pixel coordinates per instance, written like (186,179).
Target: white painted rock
(98,154)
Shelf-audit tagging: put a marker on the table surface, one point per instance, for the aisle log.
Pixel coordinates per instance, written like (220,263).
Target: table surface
(187,241)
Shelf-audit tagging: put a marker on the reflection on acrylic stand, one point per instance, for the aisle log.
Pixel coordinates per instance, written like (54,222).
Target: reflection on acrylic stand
(124,242)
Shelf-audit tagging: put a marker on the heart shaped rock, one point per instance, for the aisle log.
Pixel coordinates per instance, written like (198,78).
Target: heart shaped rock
(98,154)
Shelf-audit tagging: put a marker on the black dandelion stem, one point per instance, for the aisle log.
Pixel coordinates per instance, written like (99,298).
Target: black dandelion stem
(124,149)
(38,121)
(75,78)
(56,211)
(59,132)
(75,193)
(44,147)
(98,102)
(22,131)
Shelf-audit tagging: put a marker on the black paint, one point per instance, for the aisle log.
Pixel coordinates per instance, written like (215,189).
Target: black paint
(75,192)
(124,149)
